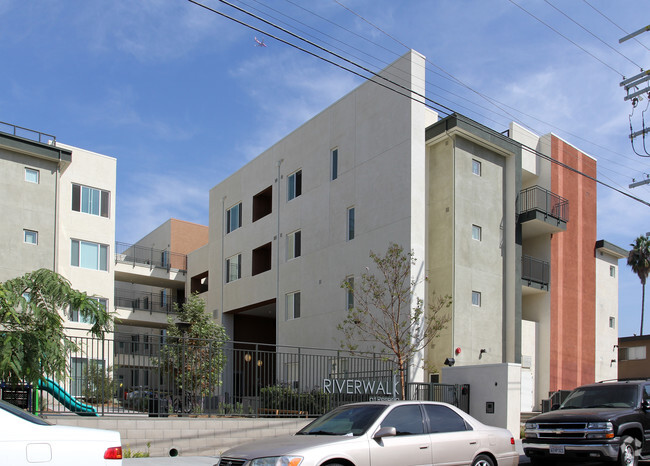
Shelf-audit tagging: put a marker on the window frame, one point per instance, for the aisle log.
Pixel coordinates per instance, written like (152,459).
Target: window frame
(350,224)
(294,244)
(229,264)
(334,163)
(76,252)
(612,322)
(477,168)
(477,232)
(83,200)
(229,218)
(612,271)
(33,171)
(294,185)
(292,305)
(478,301)
(349,293)
(74,316)
(27,231)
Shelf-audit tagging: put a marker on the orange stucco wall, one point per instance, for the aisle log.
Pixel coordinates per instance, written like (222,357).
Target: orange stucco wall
(185,238)
(573,272)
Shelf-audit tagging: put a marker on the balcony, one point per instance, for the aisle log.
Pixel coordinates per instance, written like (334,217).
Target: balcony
(149,266)
(535,275)
(541,212)
(143,306)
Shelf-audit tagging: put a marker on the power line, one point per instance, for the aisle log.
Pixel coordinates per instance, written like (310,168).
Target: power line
(592,34)
(565,37)
(609,19)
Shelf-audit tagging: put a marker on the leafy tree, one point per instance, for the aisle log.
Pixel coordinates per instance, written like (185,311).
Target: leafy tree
(194,352)
(99,384)
(386,310)
(639,260)
(33,343)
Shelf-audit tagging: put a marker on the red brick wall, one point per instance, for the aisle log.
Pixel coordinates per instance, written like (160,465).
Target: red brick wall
(185,238)
(573,272)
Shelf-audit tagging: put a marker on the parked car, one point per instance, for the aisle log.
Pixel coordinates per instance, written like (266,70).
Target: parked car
(384,433)
(26,439)
(607,421)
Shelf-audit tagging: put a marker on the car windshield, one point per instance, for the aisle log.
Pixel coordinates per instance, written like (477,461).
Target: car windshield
(345,420)
(16,411)
(602,396)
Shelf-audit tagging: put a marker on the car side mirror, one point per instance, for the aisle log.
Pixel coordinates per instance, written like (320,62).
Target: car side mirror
(555,407)
(385,432)
(645,404)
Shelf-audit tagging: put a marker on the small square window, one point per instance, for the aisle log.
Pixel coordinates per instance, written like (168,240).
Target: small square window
(477,232)
(476,167)
(32,176)
(612,322)
(476,298)
(612,271)
(31,236)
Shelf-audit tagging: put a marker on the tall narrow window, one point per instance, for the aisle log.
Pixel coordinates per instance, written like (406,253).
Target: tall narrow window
(476,298)
(294,185)
(233,268)
(612,271)
(89,255)
(293,305)
(477,232)
(293,245)
(349,293)
(476,167)
(350,224)
(612,322)
(335,164)
(90,200)
(30,236)
(233,218)
(31,175)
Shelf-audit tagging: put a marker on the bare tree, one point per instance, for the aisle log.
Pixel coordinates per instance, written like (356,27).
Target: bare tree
(386,310)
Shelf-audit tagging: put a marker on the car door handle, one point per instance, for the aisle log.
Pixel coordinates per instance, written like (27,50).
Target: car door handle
(473,443)
(424,447)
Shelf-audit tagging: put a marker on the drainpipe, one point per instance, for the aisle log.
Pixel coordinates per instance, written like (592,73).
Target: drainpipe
(277,261)
(55,267)
(221,262)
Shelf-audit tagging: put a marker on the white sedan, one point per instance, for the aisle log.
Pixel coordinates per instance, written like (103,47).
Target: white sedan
(378,433)
(27,440)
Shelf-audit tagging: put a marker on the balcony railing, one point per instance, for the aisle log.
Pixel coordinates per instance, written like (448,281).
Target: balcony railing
(27,133)
(140,255)
(144,301)
(537,198)
(535,271)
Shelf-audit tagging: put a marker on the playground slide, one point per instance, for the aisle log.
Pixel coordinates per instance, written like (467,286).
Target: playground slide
(63,397)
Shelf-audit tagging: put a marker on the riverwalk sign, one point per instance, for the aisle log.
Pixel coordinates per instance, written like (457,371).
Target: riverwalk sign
(386,387)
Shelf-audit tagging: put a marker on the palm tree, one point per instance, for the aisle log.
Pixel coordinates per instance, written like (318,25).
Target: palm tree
(639,260)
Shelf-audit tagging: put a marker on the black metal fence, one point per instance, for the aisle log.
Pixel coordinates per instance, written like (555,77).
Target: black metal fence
(159,301)
(156,375)
(140,255)
(535,270)
(543,200)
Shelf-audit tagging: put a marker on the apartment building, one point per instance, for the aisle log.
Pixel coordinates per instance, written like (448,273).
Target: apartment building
(633,357)
(495,221)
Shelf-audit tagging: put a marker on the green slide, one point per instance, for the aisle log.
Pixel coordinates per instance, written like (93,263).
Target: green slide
(54,389)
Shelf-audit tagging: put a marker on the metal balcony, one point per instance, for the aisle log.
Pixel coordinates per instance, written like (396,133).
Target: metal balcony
(535,274)
(541,211)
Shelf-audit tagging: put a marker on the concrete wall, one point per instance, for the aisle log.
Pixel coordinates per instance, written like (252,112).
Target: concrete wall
(606,357)
(493,383)
(189,436)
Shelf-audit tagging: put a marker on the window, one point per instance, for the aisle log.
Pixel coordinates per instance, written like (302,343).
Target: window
(612,271)
(31,175)
(30,236)
(612,322)
(89,255)
(262,259)
(349,293)
(293,244)
(631,353)
(477,232)
(350,224)
(233,268)
(233,218)
(293,305)
(294,187)
(476,167)
(262,203)
(407,420)
(90,200)
(335,164)
(75,316)
(476,298)
(443,419)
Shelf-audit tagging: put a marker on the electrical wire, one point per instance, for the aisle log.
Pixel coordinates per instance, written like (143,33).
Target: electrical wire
(609,19)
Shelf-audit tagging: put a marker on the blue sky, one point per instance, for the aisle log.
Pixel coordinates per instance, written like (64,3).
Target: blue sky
(182,97)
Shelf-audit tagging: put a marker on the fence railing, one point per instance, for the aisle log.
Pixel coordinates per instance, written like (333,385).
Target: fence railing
(144,301)
(157,375)
(545,201)
(457,395)
(535,270)
(140,255)
(27,133)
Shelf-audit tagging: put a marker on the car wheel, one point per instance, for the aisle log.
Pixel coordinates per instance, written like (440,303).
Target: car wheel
(627,454)
(483,460)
